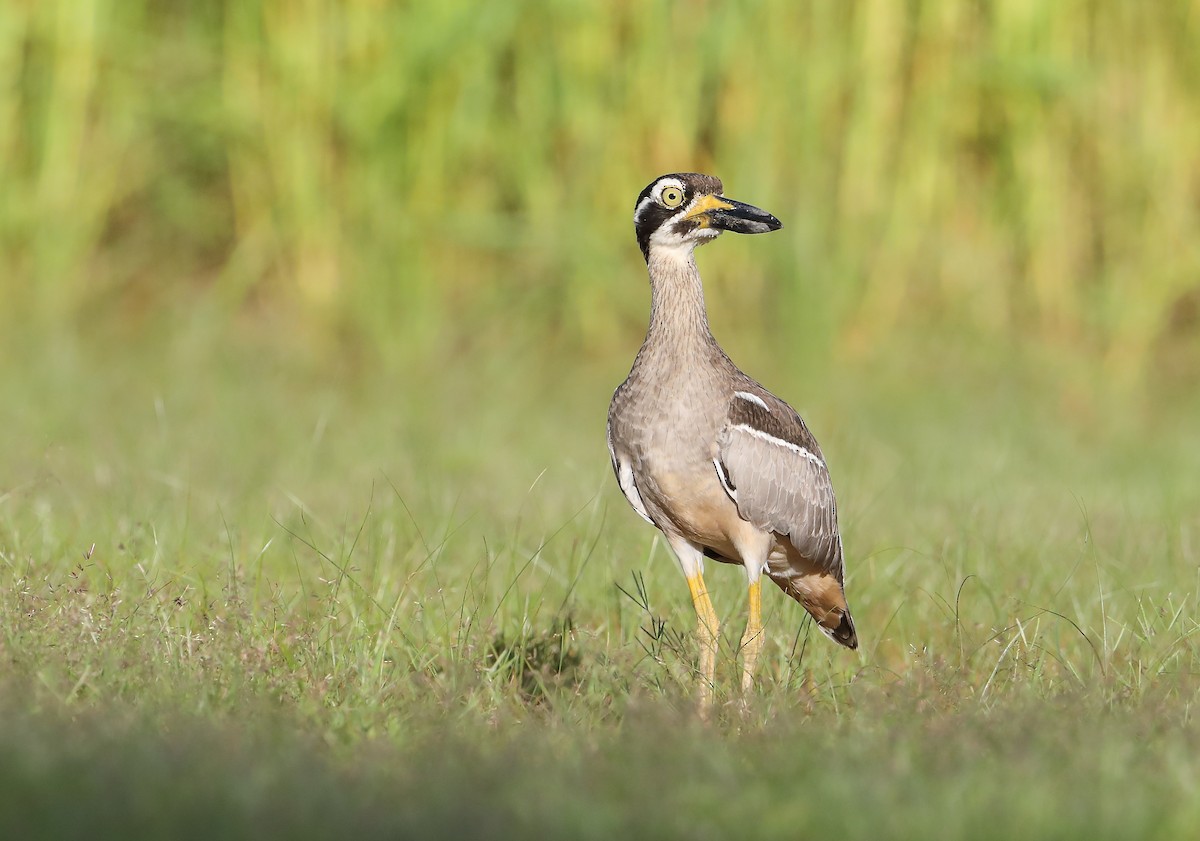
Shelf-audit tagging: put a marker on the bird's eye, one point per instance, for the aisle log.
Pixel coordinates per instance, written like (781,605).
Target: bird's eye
(672,197)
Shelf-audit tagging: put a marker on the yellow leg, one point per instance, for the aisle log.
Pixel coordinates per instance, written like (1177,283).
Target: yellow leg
(752,640)
(706,632)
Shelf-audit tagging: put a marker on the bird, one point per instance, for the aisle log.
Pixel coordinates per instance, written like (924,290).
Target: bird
(704,453)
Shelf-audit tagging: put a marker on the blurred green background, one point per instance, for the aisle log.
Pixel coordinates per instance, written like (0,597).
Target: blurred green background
(408,178)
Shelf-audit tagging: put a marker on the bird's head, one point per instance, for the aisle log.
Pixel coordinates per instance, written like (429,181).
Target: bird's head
(686,209)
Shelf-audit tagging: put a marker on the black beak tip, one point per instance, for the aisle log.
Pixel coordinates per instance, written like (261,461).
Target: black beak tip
(741,218)
(760,223)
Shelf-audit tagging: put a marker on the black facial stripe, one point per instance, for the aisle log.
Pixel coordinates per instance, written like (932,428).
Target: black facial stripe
(685,226)
(643,205)
(650,220)
(653,215)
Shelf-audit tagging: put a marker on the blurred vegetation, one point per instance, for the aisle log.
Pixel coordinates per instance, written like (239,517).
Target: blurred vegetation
(396,172)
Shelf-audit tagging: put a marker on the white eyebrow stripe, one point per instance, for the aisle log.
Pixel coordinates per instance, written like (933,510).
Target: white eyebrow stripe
(779,442)
(663,183)
(752,398)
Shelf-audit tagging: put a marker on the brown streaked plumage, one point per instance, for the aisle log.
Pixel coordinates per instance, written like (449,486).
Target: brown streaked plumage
(723,467)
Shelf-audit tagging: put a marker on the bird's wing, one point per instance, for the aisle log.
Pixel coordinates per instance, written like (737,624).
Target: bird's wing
(772,468)
(624,471)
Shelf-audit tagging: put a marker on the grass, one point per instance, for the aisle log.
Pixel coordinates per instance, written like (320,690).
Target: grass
(251,592)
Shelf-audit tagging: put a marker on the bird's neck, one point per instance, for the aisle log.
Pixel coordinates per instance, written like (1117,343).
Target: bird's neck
(678,319)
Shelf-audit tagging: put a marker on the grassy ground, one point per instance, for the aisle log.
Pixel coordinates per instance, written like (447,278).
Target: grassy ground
(248,591)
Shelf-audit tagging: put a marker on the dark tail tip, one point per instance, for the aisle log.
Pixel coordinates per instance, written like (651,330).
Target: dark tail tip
(844,633)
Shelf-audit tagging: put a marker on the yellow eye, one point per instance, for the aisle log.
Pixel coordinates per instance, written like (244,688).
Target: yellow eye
(672,197)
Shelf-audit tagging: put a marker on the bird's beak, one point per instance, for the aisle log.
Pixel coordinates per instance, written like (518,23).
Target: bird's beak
(729,215)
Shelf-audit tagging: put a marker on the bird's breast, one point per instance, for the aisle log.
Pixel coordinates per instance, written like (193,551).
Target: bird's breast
(693,504)
(670,451)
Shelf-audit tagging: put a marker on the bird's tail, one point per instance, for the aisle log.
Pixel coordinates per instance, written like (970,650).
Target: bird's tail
(843,633)
(822,596)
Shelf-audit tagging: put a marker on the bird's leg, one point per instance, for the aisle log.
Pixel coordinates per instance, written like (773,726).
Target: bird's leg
(691,561)
(707,626)
(752,640)
(754,547)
